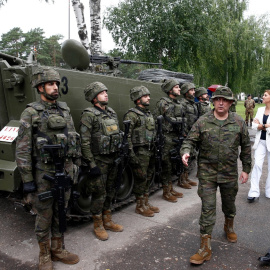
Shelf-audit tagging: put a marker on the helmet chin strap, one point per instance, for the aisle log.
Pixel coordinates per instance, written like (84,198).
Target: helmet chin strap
(49,97)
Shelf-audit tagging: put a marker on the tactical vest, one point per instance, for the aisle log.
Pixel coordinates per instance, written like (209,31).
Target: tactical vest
(144,133)
(191,114)
(53,126)
(108,138)
(173,114)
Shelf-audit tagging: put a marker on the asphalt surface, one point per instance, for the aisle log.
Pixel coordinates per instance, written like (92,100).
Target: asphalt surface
(165,241)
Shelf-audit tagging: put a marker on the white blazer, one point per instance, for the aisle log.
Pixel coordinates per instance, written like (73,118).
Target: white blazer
(259,116)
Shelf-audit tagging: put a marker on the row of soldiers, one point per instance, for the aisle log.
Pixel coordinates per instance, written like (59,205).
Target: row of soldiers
(95,149)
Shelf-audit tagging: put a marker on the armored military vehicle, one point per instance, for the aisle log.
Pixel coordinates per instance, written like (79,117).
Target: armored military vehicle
(16,92)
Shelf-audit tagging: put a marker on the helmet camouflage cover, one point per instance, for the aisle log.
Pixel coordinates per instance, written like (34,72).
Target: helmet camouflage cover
(224,92)
(186,87)
(200,91)
(93,89)
(168,85)
(138,91)
(44,75)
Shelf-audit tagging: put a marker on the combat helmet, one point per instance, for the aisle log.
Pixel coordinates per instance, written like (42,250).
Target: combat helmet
(93,89)
(138,91)
(186,87)
(224,92)
(43,75)
(168,85)
(200,91)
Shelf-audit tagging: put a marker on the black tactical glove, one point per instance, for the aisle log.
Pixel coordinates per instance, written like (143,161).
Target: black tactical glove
(29,187)
(95,171)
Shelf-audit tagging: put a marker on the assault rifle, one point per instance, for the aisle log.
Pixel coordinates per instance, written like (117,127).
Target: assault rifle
(175,152)
(62,183)
(122,160)
(159,143)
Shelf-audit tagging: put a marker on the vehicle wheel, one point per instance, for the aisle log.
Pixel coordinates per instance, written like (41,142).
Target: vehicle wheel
(83,203)
(126,186)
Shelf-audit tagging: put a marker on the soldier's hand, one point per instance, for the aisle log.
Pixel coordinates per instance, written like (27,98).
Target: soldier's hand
(29,187)
(185,158)
(243,177)
(95,171)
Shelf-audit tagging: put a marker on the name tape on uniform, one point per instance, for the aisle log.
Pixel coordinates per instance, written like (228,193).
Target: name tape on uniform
(8,134)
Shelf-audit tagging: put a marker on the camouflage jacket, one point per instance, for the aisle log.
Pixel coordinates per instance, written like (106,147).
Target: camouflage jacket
(203,107)
(249,104)
(142,128)
(39,125)
(218,147)
(191,113)
(172,111)
(100,135)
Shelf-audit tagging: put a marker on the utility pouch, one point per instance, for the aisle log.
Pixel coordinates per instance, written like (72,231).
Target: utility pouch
(56,122)
(45,156)
(115,142)
(73,144)
(100,145)
(61,139)
(109,127)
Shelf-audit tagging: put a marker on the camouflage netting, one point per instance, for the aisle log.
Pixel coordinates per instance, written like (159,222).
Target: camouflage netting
(158,75)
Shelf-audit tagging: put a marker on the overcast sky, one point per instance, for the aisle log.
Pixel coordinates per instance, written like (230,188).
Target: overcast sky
(54,18)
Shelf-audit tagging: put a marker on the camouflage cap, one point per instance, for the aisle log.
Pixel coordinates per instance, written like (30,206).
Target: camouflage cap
(138,91)
(186,87)
(44,75)
(200,91)
(224,92)
(168,85)
(93,89)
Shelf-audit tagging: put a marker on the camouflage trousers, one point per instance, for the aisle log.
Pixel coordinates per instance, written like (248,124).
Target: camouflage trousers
(47,211)
(207,191)
(167,165)
(249,114)
(102,187)
(143,170)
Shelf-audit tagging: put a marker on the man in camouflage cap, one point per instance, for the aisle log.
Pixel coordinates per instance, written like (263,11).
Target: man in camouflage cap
(47,122)
(191,115)
(218,134)
(249,105)
(203,105)
(141,144)
(100,137)
(171,110)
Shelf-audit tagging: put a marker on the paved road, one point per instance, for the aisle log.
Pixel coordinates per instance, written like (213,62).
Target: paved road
(165,241)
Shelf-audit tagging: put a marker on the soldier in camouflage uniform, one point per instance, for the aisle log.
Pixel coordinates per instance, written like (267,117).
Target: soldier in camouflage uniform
(46,122)
(191,115)
(141,144)
(249,105)
(203,105)
(218,135)
(100,138)
(169,107)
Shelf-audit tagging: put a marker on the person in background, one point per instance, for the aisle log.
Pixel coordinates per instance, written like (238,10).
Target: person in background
(261,124)
(249,112)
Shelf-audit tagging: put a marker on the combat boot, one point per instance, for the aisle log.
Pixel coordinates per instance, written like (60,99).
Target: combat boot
(99,230)
(150,206)
(142,209)
(45,261)
(190,182)
(205,252)
(59,253)
(109,224)
(265,258)
(174,192)
(228,228)
(167,195)
(182,182)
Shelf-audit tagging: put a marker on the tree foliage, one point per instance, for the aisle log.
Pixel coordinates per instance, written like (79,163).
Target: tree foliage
(209,38)
(47,50)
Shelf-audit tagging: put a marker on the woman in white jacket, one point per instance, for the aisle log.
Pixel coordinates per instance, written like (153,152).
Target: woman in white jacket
(261,123)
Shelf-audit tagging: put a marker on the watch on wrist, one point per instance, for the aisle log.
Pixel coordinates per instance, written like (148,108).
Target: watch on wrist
(263,126)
